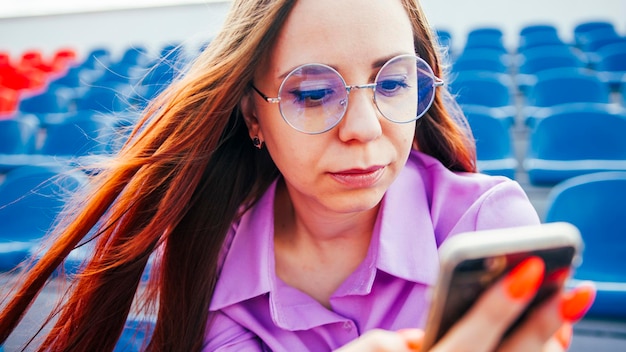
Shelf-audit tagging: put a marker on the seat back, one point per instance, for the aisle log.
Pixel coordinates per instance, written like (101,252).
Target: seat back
(538,35)
(492,135)
(481,59)
(56,99)
(538,59)
(561,86)
(581,30)
(31,198)
(18,135)
(109,97)
(598,38)
(485,37)
(577,132)
(482,88)
(612,57)
(594,204)
(81,134)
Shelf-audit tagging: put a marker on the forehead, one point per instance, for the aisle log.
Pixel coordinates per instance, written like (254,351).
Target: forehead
(343,34)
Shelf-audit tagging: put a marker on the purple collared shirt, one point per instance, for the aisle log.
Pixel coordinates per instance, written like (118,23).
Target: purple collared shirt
(253,310)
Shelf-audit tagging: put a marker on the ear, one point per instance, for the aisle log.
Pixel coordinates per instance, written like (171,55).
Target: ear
(248,110)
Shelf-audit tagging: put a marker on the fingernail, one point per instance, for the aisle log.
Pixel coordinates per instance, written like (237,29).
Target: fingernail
(564,335)
(413,338)
(524,280)
(577,302)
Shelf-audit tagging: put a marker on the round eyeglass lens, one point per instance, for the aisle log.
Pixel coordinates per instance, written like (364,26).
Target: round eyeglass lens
(404,89)
(313,98)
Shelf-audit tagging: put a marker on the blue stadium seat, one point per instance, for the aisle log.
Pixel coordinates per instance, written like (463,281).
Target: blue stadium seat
(595,204)
(538,35)
(81,134)
(121,72)
(493,142)
(611,64)
(152,80)
(106,97)
(174,54)
(136,55)
(597,38)
(31,198)
(481,59)
(160,73)
(18,137)
(534,61)
(582,29)
(483,88)
(76,77)
(136,332)
(485,37)
(576,139)
(55,99)
(97,59)
(564,86)
(444,37)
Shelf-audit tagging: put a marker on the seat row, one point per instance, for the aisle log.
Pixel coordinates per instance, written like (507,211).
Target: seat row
(32,199)
(570,140)
(597,50)
(75,138)
(89,83)
(588,37)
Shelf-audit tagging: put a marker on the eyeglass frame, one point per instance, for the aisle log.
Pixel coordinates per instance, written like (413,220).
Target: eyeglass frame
(437,82)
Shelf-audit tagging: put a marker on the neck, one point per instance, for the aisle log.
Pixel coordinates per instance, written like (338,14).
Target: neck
(315,250)
(307,222)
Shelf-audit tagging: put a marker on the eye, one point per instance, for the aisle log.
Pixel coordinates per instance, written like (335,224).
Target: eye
(311,97)
(391,86)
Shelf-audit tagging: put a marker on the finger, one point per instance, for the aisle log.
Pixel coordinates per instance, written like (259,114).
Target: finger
(551,320)
(378,341)
(577,302)
(564,335)
(496,309)
(414,338)
(538,328)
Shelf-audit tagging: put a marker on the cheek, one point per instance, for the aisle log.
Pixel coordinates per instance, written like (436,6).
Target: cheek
(289,149)
(403,137)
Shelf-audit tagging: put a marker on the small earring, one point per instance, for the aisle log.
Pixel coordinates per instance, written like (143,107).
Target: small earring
(257,142)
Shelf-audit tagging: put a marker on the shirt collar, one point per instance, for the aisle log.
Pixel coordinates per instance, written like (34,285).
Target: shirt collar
(248,268)
(403,244)
(407,245)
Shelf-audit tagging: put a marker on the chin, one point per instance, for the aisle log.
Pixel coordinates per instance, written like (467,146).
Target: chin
(357,201)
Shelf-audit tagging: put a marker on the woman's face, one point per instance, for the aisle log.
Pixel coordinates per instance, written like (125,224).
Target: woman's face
(348,168)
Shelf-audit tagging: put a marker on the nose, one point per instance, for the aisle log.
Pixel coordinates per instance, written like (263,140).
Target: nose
(362,119)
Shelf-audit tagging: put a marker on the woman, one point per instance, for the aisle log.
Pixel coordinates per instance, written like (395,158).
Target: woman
(294,194)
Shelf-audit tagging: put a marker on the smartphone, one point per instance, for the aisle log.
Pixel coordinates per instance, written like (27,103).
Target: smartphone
(471,262)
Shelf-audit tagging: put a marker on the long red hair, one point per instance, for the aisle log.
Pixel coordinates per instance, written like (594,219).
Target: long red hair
(173,191)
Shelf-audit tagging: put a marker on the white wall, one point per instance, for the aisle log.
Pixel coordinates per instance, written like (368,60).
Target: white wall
(48,25)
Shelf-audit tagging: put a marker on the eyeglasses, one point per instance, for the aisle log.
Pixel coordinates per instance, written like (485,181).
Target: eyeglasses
(313,98)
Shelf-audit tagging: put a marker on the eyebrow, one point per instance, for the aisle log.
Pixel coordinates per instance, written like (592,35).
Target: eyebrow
(376,64)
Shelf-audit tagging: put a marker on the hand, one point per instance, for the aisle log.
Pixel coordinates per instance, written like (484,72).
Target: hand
(407,340)
(547,328)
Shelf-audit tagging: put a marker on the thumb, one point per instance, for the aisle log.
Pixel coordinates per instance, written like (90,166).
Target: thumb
(414,338)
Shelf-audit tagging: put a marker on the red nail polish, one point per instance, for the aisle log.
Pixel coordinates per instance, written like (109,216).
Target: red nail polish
(576,303)
(524,280)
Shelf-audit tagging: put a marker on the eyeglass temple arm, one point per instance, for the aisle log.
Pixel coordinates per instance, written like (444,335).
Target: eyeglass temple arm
(265,97)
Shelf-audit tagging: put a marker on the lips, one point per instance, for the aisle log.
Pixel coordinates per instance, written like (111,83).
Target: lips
(359,177)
